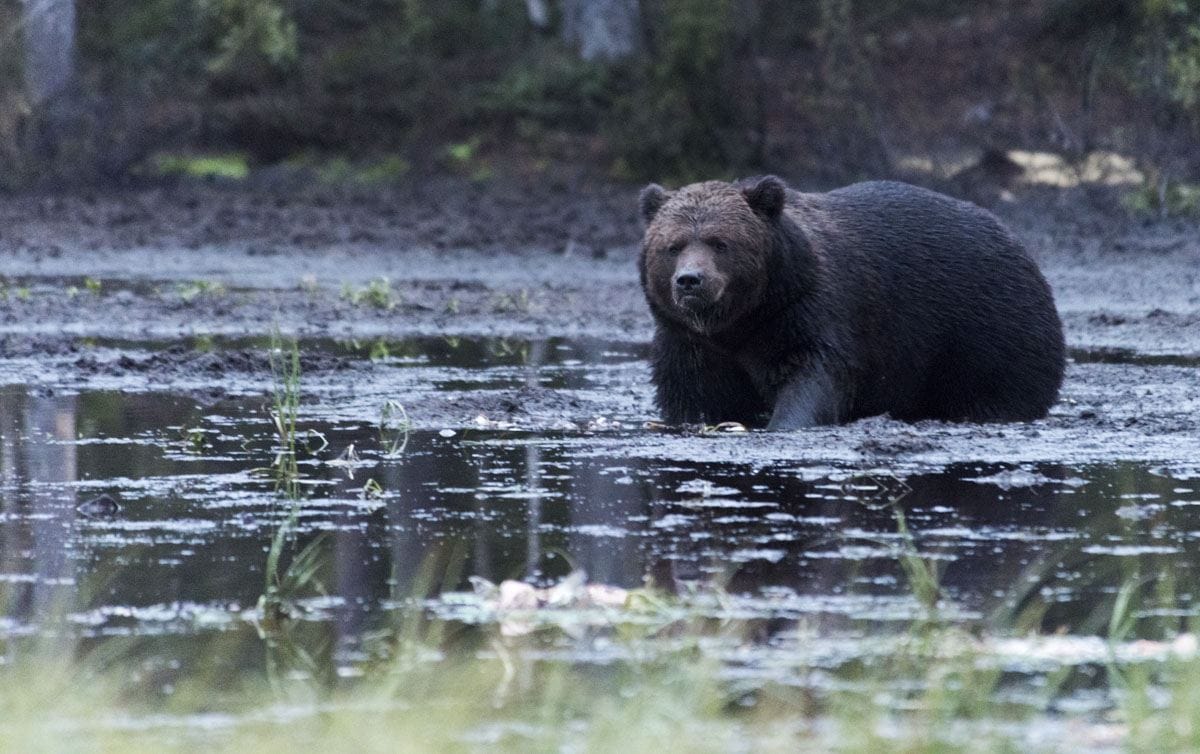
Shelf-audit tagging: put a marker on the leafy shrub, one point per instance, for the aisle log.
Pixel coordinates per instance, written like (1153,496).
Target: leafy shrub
(549,85)
(1147,51)
(1165,198)
(682,114)
(254,42)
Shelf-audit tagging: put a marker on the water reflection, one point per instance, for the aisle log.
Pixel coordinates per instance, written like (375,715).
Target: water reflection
(37,461)
(186,552)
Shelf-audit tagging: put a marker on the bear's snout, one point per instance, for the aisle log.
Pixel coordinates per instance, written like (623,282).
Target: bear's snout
(696,283)
(688,282)
(696,290)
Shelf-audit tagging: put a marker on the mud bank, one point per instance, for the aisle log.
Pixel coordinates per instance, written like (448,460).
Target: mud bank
(129,292)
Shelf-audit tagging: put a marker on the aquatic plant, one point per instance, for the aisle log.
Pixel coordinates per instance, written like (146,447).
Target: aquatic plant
(518,302)
(283,586)
(196,289)
(921,573)
(371,490)
(377,293)
(380,350)
(193,440)
(394,429)
(285,371)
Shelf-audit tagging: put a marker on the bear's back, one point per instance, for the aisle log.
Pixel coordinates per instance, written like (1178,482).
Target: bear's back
(884,233)
(908,216)
(943,295)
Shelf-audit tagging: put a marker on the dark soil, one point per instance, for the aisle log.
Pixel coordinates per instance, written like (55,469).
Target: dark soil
(558,214)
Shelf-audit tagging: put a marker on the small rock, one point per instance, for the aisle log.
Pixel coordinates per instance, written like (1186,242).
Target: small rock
(103,506)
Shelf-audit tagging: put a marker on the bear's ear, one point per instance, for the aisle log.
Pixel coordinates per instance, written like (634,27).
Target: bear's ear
(652,198)
(766,196)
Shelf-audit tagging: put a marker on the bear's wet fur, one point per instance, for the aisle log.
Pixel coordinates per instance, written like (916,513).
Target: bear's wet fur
(798,309)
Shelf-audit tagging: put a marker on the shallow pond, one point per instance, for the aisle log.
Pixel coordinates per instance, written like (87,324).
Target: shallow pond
(829,557)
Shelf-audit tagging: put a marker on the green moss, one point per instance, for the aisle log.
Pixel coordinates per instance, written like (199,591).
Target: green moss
(340,170)
(232,166)
(463,153)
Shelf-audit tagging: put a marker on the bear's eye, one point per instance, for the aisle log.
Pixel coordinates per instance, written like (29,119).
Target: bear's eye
(675,248)
(717,244)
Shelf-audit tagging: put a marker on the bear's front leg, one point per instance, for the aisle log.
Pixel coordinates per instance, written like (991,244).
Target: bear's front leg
(807,399)
(695,385)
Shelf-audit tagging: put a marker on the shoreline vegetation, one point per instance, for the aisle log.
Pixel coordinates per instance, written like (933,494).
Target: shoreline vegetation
(824,92)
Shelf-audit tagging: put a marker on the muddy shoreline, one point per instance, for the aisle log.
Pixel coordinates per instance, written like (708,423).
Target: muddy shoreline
(199,263)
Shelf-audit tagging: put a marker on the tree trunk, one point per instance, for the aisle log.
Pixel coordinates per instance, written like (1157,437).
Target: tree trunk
(537,10)
(539,13)
(14,103)
(49,28)
(37,85)
(601,29)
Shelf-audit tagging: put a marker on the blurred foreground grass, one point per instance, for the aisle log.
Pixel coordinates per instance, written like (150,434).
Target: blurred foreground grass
(660,676)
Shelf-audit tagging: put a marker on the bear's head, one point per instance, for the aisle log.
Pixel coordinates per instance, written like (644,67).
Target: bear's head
(707,249)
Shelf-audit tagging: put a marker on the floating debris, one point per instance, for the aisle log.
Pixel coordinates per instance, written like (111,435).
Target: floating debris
(103,506)
(349,460)
(726,428)
(602,423)
(521,607)
(483,422)
(705,488)
(1182,473)
(1021,478)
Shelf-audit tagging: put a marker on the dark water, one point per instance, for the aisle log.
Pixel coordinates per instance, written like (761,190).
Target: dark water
(1131,357)
(186,552)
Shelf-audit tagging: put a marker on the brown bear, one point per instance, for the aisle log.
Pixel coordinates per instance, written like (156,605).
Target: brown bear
(799,309)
